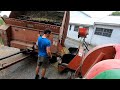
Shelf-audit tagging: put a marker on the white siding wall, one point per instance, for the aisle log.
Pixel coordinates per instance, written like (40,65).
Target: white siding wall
(79,18)
(72,34)
(76,17)
(90,34)
(99,40)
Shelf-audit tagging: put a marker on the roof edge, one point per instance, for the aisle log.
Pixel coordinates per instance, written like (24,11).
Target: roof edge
(86,14)
(111,24)
(81,24)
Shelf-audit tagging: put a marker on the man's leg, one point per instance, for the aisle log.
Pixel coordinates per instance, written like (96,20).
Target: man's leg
(43,72)
(44,67)
(37,72)
(37,68)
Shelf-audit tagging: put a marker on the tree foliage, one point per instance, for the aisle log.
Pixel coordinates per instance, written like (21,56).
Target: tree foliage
(116,13)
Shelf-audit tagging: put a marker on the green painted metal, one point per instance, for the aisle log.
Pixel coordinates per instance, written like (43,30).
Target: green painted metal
(1,41)
(1,21)
(109,74)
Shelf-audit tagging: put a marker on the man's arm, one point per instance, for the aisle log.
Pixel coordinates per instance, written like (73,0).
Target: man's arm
(48,49)
(49,52)
(36,45)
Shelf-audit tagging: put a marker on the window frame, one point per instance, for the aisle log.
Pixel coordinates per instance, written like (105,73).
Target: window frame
(77,28)
(70,27)
(103,32)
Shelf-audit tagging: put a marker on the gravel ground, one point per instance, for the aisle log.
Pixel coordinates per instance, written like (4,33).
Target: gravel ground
(6,51)
(74,43)
(27,71)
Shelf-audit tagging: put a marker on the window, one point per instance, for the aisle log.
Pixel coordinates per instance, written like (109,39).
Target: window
(103,32)
(76,28)
(70,27)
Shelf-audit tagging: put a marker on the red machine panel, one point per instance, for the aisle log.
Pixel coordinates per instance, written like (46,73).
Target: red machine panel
(26,25)
(13,21)
(82,32)
(103,66)
(20,45)
(54,41)
(30,24)
(97,54)
(23,34)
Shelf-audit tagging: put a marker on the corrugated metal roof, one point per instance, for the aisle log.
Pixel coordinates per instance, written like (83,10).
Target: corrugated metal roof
(109,20)
(85,13)
(81,18)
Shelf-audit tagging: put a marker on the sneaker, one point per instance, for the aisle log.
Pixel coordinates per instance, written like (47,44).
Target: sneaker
(37,77)
(44,78)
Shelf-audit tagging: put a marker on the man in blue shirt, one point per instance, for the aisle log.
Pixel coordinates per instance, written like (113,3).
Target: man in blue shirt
(44,53)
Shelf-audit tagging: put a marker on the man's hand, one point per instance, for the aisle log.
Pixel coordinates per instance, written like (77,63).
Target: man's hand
(50,57)
(49,52)
(35,46)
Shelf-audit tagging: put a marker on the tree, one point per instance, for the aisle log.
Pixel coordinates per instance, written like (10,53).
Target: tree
(116,13)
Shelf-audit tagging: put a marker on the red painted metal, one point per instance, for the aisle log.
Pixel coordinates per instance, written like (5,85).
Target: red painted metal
(26,32)
(82,32)
(117,48)
(74,63)
(30,24)
(103,66)
(83,64)
(77,60)
(20,45)
(97,54)
(61,68)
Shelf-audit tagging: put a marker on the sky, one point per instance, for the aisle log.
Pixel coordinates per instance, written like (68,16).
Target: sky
(98,14)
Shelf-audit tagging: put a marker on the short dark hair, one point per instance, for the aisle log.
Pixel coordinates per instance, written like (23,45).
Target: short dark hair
(47,31)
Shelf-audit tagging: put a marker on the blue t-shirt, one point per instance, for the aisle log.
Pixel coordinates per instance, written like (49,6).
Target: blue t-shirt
(43,43)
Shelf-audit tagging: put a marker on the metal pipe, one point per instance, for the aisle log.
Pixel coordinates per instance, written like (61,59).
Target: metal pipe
(14,62)
(85,44)
(11,55)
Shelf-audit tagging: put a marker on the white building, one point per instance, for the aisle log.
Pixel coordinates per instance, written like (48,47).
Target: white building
(80,19)
(106,31)
(5,13)
(101,31)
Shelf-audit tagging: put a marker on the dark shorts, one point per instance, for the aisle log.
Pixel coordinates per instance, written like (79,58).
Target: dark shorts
(44,62)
